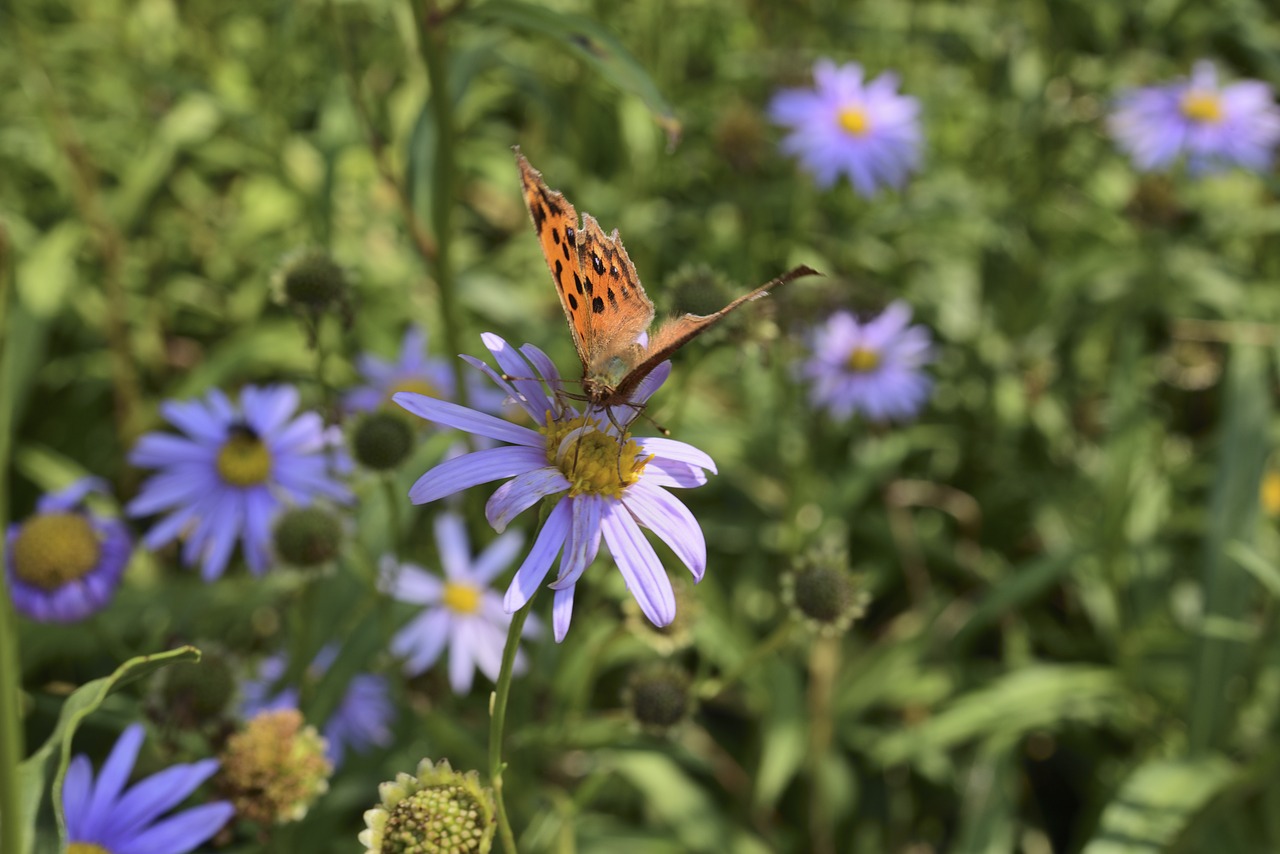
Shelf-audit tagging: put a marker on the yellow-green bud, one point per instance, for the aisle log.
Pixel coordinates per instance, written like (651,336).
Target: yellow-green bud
(435,811)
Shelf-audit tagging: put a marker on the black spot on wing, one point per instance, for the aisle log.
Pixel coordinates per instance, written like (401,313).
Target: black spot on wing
(613,300)
(591,290)
(564,247)
(598,264)
(555,235)
(597,305)
(573,302)
(559,272)
(539,216)
(570,236)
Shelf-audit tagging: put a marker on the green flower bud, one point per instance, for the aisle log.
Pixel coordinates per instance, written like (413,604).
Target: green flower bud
(308,536)
(823,593)
(381,440)
(658,696)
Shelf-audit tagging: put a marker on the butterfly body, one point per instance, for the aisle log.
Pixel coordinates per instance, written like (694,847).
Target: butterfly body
(606,306)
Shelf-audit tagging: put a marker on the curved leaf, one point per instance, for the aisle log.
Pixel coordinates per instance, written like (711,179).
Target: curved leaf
(33,772)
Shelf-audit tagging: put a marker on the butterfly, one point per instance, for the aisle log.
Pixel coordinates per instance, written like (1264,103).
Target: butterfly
(603,300)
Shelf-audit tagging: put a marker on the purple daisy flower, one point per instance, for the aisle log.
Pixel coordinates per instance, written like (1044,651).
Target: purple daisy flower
(864,129)
(65,562)
(414,371)
(233,471)
(873,367)
(361,721)
(608,485)
(103,813)
(1214,126)
(460,612)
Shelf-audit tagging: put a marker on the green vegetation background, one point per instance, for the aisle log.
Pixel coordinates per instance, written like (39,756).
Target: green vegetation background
(1072,644)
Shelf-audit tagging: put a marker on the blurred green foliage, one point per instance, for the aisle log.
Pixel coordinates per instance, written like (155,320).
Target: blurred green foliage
(1073,639)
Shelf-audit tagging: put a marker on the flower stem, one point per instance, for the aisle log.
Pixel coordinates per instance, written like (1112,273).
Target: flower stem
(394,530)
(824,662)
(431,42)
(11,828)
(497,720)
(713,687)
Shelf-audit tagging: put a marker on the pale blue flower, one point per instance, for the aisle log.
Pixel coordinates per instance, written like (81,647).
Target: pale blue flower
(235,468)
(874,367)
(846,125)
(1214,126)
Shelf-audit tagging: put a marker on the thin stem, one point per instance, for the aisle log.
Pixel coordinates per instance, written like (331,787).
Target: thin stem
(86,192)
(497,721)
(431,42)
(377,145)
(714,687)
(824,661)
(11,748)
(394,529)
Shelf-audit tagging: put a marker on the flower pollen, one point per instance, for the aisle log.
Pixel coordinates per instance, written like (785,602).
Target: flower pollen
(854,121)
(1202,107)
(85,848)
(55,548)
(863,360)
(243,460)
(461,598)
(593,461)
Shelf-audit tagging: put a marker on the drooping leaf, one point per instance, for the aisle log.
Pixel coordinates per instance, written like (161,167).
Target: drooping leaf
(33,773)
(1156,803)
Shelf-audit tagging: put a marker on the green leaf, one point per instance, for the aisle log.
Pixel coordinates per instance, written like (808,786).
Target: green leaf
(48,275)
(989,817)
(1156,802)
(678,802)
(594,44)
(34,772)
(784,735)
(1041,696)
(1233,520)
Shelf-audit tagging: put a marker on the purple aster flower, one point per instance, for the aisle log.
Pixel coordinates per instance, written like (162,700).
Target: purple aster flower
(461,611)
(65,562)
(414,371)
(864,129)
(1214,126)
(103,813)
(232,472)
(873,367)
(607,485)
(361,721)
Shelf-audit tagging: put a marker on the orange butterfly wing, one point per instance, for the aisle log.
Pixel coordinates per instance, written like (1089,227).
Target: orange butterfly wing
(675,333)
(556,224)
(599,290)
(620,309)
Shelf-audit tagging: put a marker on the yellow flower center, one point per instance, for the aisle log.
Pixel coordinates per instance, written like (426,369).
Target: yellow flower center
(854,121)
(862,360)
(1202,107)
(53,549)
(461,599)
(243,460)
(593,461)
(85,848)
(1271,493)
(417,385)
